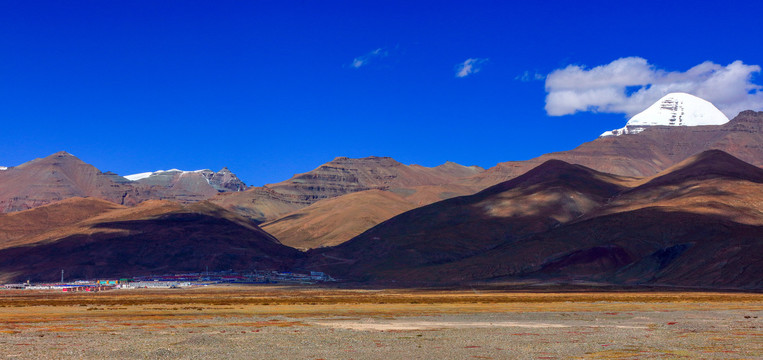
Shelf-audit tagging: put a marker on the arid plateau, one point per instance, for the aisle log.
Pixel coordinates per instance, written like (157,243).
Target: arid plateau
(272,322)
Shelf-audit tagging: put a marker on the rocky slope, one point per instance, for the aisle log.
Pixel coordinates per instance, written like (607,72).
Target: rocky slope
(225,180)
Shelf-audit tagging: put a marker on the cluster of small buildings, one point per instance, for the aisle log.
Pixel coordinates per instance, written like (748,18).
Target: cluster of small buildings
(180,280)
(228,277)
(77,286)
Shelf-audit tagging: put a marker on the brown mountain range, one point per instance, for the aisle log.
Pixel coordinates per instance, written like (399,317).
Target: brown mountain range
(345,176)
(344,198)
(63,176)
(699,223)
(90,237)
(642,154)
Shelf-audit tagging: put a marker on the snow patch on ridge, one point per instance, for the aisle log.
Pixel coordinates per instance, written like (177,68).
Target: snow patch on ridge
(674,109)
(139,176)
(136,177)
(3,168)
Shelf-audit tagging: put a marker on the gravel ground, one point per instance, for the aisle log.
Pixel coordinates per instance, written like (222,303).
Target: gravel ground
(693,334)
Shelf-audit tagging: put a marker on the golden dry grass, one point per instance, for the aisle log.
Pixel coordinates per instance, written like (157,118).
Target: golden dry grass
(221,300)
(295,321)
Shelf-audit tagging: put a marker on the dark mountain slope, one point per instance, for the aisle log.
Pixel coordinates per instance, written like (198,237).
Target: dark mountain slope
(155,237)
(643,247)
(19,226)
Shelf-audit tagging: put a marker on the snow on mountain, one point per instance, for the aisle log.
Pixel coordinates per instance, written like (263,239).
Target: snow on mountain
(674,109)
(139,176)
(136,177)
(3,168)
(222,181)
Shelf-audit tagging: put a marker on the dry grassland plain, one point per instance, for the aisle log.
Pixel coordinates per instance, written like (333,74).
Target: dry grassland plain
(272,322)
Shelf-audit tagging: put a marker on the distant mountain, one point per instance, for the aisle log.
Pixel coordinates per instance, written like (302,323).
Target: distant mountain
(674,109)
(189,186)
(57,177)
(221,181)
(63,176)
(91,238)
(344,176)
(225,180)
(698,224)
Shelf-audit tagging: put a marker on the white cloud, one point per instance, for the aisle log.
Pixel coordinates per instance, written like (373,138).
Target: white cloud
(530,76)
(470,66)
(365,59)
(629,85)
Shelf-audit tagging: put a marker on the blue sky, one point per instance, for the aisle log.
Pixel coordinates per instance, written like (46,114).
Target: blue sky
(273,88)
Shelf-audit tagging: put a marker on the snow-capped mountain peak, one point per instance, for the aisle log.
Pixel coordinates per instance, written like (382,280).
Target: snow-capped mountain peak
(674,109)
